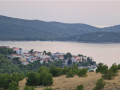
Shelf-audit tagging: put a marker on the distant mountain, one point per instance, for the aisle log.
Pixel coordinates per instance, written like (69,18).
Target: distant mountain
(97,37)
(21,29)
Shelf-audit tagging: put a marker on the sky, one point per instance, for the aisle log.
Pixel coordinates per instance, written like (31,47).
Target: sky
(99,13)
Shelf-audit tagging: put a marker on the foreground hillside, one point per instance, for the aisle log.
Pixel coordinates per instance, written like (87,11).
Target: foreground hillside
(63,83)
(21,29)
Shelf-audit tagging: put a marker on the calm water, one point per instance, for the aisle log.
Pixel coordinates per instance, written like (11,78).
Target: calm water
(106,53)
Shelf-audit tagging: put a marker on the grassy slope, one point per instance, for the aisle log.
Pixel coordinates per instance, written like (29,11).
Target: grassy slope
(63,83)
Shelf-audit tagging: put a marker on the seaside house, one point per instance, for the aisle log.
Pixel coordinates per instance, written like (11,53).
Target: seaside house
(57,56)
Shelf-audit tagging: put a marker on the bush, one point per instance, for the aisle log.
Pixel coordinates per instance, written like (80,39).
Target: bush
(13,86)
(4,81)
(114,69)
(65,70)
(118,66)
(101,68)
(46,78)
(32,79)
(17,77)
(111,72)
(99,84)
(75,69)
(69,74)
(48,88)
(108,75)
(42,68)
(9,80)
(55,71)
(80,87)
(28,88)
(82,72)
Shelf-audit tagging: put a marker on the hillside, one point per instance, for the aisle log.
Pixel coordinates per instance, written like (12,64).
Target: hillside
(63,83)
(21,29)
(104,37)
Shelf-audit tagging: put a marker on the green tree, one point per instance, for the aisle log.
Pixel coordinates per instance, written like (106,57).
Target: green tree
(45,52)
(49,53)
(5,79)
(70,73)
(13,86)
(100,84)
(80,55)
(55,71)
(75,69)
(67,55)
(16,61)
(10,80)
(101,68)
(80,87)
(58,63)
(114,69)
(32,50)
(45,78)
(82,72)
(108,74)
(69,62)
(32,79)
(111,72)
(17,77)
(6,51)
(43,68)
(118,66)
(65,70)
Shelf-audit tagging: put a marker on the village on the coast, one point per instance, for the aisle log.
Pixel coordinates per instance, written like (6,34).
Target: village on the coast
(30,56)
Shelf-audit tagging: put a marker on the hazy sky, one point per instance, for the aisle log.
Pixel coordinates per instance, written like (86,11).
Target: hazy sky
(93,12)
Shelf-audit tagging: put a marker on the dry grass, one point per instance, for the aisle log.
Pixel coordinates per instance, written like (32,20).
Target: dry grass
(63,83)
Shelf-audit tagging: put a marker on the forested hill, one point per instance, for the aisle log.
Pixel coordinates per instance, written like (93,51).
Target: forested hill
(21,29)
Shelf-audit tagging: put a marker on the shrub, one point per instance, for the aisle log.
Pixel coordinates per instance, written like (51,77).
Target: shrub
(80,87)
(65,70)
(101,68)
(4,81)
(108,74)
(118,66)
(7,80)
(55,71)
(70,73)
(13,86)
(17,77)
(75,68)
(99,84)
(114,69)
(46,78)
(32,79)
(43,69)
(111,72)
(48,88)
(82,72)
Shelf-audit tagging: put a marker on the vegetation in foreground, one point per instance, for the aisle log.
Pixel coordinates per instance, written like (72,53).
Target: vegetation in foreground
(44,75)
(80,87)
(89,82)
(100,83)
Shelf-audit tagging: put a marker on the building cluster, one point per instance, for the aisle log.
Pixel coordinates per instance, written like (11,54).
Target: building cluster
(26,57)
